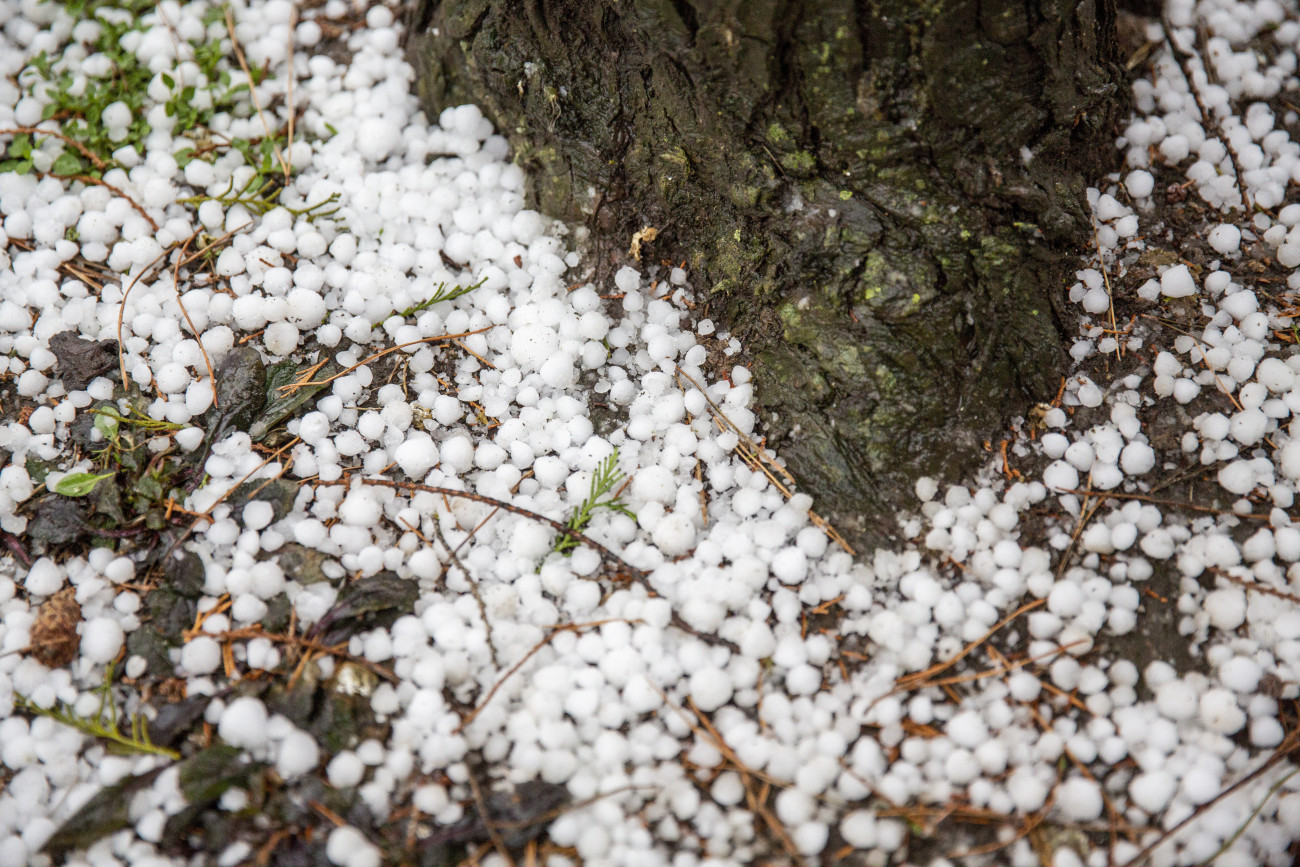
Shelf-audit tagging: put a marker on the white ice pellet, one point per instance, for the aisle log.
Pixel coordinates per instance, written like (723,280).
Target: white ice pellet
(1248,426)
(1066,598)
(1152,791)
(1177,282)
(790,565)
(360,508)
(1275,374)
(44,578)
(674,534)
(710,688)
(101,639)
(1240,674)
(627,279)
(1238,477)
(1028,792)
(1219,712)
(1139,183)
(1225,238)
(230,262)
(558,371)
(189,438)
(532,344)
(348,847)
(345,770)
(201,655)
(1079,799)
(258,514)
(1177,700)
(1240,304)
(377,138)
(1061,476)
(1226,608)
(1137,459)
(858,828)
(1080,455)
(417,455)
(280,338)
(243,723)
(297,754)
(967,729)
(1287,459)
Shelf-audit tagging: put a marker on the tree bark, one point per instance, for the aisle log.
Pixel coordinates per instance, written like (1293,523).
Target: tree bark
(882,197)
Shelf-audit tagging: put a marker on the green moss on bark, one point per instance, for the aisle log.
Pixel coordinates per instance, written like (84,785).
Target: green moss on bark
(882,196)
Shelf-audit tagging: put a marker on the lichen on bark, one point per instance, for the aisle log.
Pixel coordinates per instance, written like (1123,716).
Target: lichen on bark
(881,196)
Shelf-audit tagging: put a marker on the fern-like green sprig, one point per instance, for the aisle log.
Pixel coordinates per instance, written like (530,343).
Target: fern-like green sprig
(442,293)
(103,725)
(604,494)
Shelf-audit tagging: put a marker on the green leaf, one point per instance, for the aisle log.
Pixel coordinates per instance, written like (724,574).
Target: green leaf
(106,425)
(79,484)
(21,146)
(168,80)
(67,163)
(149,487)
(107,812)
(282,400)
(364,604)
(206,776)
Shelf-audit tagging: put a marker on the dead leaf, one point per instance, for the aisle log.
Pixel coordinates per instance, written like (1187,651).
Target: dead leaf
(645,236)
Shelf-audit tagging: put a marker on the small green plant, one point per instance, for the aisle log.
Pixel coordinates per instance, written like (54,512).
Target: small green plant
(605,493)
(78,100)
(103,724)
(134,482)
(109,421)
(442,293)
(261,193)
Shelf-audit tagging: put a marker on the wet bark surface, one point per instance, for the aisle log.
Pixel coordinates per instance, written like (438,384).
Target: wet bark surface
(882,197)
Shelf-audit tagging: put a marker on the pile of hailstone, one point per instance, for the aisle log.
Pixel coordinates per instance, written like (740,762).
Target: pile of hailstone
(695,714)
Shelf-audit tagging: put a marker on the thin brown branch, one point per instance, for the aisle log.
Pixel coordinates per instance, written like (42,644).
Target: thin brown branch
(389,351)
(198,338)
(100,182)
(556,630)
(609,556)
(756,457)
(917,680)
(1284,749)
(86,152)
(480,804)
(1178,504)
(473,587)
(338,650)
(252,90)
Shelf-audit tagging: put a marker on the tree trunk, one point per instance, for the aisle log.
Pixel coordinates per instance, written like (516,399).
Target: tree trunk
(882,197)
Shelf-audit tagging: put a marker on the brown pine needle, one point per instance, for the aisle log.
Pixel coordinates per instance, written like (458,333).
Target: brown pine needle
(756,458)
(388,351)
(252,90)
(917,680)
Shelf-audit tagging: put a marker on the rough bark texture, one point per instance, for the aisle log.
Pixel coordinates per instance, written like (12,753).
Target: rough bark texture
(881,196)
